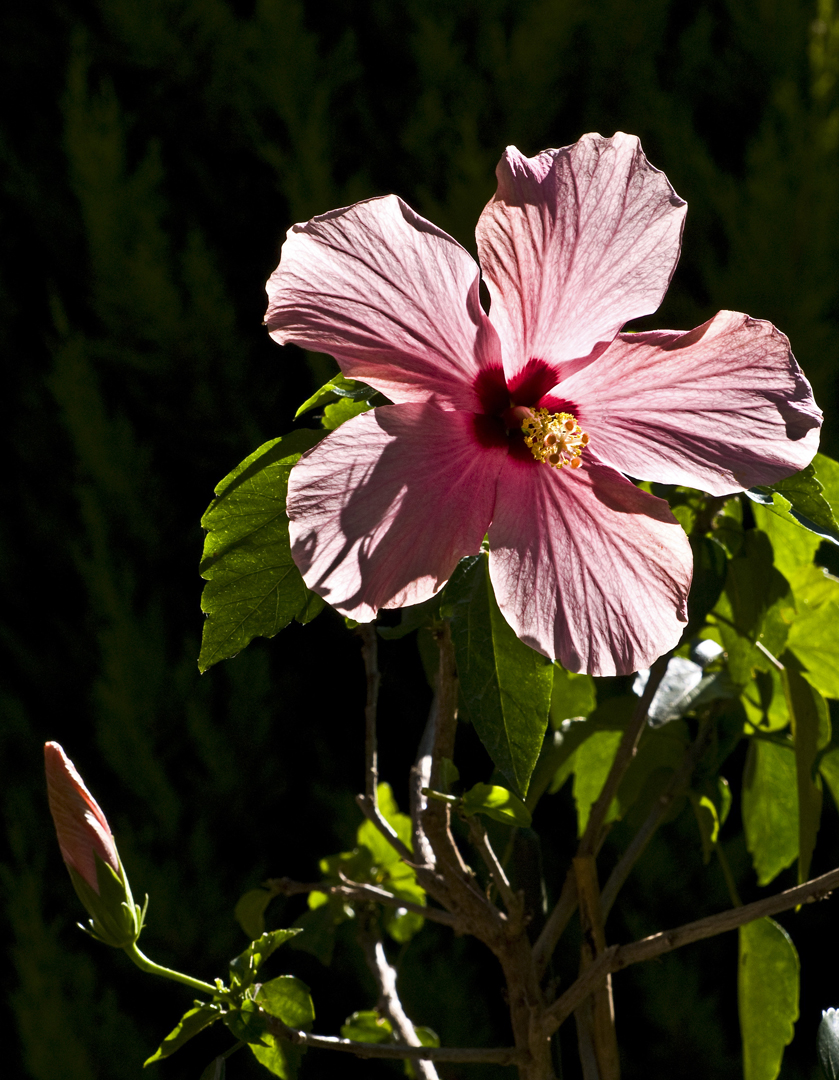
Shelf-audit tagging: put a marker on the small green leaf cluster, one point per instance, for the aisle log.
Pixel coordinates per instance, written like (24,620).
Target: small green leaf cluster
(370,1026)
(246,1006)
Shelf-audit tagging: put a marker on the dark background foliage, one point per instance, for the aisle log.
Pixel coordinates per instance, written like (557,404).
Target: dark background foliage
(153,154)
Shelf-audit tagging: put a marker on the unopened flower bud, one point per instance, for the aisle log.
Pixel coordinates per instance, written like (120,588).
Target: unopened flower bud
(90,853)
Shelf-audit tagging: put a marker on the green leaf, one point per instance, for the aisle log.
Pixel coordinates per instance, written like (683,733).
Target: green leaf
(793,545)
(188,1026)
(767,993)
(340,387)
(770,807)
(757,606)
(247,1023)
(800,498)
(765,702)
(497,803)
(247,964)
(810,733)
(367,1027)
(814,635)
(341,411)
(710,567)
(708,821)
(829,770)
(253,587)
(827,1043)
(572,695)
(216,1070)
(289,999)
(250,911)
(505,686)
(592,763)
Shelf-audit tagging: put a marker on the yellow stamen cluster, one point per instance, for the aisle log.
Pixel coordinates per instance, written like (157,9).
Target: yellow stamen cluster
(555,438)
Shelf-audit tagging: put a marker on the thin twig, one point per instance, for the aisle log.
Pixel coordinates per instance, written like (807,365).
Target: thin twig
(617,957)
(512,900)
(662,804)
(600,1022)
(593,836)
(623,758)
(389,1002)
(372,812)
(393,1051)
(369,652)
(356,890)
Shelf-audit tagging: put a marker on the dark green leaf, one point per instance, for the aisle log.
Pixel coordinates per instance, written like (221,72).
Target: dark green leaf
(189,1025)
(253,587)
(367,1027)
(497,803)
(592,763)
(250,911)
(827,1042)
(810,733)
(756,607)
(505,686)
(340,387)
(800,498)
(216,1070)
(318,926)
(710,565)
(770,807)
(248,1024)
(767,992)
(289,999)
(708,821)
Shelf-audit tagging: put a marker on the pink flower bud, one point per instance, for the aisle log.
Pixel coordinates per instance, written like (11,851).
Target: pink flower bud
(82,829)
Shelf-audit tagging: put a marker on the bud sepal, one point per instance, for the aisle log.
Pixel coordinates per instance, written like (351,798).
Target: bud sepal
(115,919)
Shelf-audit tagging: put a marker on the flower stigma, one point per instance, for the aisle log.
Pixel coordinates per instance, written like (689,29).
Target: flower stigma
(554,438)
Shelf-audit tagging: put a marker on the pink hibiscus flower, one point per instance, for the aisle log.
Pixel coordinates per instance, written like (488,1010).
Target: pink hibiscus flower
(524,424)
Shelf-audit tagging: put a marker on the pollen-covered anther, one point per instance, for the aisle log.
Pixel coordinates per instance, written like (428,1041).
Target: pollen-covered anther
(554,438)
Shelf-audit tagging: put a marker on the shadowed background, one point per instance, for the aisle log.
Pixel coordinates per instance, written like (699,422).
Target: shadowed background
(153,155)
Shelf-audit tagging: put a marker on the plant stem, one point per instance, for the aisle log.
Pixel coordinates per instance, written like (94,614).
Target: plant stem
(143,962)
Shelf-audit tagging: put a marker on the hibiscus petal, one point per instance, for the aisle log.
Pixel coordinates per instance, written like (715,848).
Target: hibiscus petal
(383,509)
(575,243)
(393,298)
(587,568)
(723,407)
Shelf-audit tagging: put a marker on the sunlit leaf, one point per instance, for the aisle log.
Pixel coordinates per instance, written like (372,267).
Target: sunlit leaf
(708,821)
(288,999)
(573,694)
(367,1026)
(341,411)
(245,966)
(250,911)
(505,686)
(189,1025)
(770,807)
(767,993)
(792,545)
(498,803)
(800,498)
(592,763)
(339,386)
(253,587)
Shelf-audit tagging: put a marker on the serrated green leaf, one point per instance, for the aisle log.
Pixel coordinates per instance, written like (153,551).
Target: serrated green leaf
(246,965)
(289,999)
(338,386)
(253,587)
(188,1026)
(810,733)
(250,911)
(767,993)
(814,634)
(800,499)
(505,685)
(770,807)
(367,1026)
(827,1044)
(497,803)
